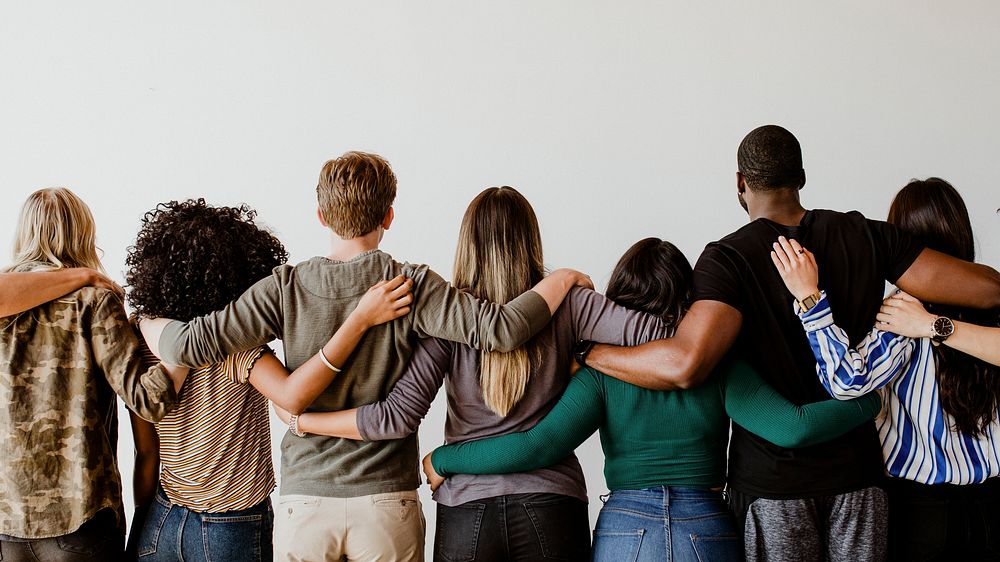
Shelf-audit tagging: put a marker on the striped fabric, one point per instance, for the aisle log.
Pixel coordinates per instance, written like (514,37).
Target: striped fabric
(919,442)
(215,447)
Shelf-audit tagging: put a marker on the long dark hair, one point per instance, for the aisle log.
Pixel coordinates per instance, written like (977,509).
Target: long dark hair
(653,276)
(934,212)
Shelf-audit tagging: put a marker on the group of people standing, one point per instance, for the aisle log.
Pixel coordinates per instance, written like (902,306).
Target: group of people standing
(863,426)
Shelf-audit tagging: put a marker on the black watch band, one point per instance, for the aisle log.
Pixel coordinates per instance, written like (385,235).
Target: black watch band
(581,351)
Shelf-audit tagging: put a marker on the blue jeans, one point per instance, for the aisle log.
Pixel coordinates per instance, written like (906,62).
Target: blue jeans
(666,523)
(173,533)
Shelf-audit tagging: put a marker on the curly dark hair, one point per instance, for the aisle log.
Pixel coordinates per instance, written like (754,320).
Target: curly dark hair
(190,258)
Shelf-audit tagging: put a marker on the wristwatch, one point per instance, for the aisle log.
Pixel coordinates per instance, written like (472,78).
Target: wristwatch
(806,304)
(942,328)
(581,351)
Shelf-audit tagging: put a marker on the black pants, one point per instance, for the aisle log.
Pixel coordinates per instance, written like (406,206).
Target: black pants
(944,521)
(100,539)
(521,527)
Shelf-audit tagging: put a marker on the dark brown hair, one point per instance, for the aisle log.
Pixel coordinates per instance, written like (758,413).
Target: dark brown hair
(933,211)
(655,277)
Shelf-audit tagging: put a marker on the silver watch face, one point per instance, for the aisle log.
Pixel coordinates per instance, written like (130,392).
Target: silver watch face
(943,327)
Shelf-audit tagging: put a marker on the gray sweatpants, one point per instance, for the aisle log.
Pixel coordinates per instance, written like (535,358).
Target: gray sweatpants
(848,527)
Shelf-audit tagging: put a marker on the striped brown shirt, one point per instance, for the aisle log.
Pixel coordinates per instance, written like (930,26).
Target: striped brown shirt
(215,447)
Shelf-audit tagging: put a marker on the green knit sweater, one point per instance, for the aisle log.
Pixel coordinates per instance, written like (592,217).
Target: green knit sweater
(658,438)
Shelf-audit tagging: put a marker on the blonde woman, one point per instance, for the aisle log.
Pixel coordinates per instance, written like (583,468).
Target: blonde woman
(536,515)
(61,365)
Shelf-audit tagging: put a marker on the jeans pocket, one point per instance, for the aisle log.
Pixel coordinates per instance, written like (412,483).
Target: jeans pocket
(96,536)
(617,546)
(149,537)
(717,548)
(563,527)
(456,538)
(235,538)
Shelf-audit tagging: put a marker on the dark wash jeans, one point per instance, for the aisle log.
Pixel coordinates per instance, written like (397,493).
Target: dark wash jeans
(943,521)
(518,527)
(100,539)
(175,533)
(672,523)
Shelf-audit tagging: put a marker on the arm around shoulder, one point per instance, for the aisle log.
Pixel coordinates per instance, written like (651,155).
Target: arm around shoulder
(943,279)
(685,360)
(446,312)
(252,320)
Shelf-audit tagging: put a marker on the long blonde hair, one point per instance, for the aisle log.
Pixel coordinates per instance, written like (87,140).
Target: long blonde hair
(499,257)
(55,230)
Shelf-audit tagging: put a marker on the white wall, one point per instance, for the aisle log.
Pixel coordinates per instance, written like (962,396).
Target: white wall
(618,120)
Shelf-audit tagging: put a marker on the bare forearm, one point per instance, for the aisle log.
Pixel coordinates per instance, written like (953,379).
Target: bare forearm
(683,361)
(335,424)
(145,479)
(556,285)
(295,391)
(307,382)
(657,365)
(23,291)
(978,341)
(940,278)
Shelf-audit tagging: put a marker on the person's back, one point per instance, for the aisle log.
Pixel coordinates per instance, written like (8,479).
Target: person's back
(61,364)
(303,305)
(736,301)
(61,417)
(858,256)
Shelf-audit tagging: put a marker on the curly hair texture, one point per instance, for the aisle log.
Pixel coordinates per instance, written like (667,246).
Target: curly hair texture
(770,157)
(190,258)
(355,193)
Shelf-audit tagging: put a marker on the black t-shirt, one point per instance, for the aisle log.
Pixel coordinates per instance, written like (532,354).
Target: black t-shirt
(856,257)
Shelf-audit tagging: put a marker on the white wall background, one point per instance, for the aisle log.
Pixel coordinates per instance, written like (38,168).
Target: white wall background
(618,120)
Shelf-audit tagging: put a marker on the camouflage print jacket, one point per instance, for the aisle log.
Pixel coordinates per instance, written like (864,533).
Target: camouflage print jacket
(61,365)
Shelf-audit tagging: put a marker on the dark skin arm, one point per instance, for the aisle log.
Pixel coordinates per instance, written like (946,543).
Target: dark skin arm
(940,278)
(23,291)
(704,335)
(147,460)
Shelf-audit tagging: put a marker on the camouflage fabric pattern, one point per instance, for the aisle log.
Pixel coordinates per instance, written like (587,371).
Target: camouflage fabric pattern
(61,365)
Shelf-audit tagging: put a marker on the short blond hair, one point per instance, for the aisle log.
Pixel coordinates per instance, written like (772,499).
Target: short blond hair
(355,193)
(56,230)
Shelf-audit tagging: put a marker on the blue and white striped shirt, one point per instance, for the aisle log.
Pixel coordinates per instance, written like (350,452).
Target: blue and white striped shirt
(919,440)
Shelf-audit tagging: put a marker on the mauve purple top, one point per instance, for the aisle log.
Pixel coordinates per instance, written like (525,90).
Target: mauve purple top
(584,315)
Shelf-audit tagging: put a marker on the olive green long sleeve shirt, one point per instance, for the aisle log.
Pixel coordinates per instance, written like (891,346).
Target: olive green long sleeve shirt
(303,306)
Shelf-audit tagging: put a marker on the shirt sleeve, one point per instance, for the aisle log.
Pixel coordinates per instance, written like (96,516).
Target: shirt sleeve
(761,410)
(252,320)
(574,418)
(896,249)
(443,311)
(237,366)
(595,317)
(847,372)
(717,278)
(410,399)
(146,390)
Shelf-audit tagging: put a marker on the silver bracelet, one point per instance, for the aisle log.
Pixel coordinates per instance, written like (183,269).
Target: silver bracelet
(293,426)
(326,361)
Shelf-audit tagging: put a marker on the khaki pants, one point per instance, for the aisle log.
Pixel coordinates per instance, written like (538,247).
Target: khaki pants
(377,528)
